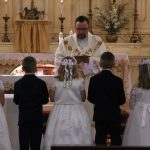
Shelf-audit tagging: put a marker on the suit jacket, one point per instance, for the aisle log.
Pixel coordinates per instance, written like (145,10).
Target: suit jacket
(30,93)
(106,91)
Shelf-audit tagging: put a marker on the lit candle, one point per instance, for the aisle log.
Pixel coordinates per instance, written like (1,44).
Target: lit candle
(5,7)
(61,1)
(71,32)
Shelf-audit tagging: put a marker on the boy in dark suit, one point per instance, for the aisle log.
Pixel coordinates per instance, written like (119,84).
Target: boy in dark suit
(30,93)
(106,92)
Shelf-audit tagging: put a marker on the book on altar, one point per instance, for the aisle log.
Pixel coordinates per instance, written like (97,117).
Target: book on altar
(80,59)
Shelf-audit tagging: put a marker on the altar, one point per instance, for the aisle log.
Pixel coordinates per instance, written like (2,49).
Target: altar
(9,80)
(9,61)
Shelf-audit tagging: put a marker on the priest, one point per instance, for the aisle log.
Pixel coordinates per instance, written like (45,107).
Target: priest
(85,46)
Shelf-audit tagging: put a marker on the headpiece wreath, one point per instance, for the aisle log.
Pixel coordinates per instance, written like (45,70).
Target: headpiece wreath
(145,61)
(68,63)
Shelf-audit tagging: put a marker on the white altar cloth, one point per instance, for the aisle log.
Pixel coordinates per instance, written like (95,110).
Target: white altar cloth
(16,58)
(9,80)
(121,69)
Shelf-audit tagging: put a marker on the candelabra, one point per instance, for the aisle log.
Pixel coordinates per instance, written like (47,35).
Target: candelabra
(61,18)
(5,36)
(136,36)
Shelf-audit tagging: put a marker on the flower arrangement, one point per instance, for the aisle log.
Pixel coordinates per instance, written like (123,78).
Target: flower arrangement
(112,19)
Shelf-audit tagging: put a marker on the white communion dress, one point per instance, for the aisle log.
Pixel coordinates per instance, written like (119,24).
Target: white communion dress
(137,131)
(4,134)
(68,122)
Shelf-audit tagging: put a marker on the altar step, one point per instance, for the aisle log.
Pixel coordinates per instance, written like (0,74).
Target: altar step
(93,147)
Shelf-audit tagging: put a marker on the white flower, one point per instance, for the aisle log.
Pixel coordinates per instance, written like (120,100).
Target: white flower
(112,19)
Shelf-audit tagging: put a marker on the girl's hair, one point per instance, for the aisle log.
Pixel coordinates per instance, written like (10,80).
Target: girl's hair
(67,70)
(144,74)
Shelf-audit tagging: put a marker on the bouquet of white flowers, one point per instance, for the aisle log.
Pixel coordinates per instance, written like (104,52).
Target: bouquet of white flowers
(112,19)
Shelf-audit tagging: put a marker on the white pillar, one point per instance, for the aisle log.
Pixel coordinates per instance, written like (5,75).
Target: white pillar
(46,5)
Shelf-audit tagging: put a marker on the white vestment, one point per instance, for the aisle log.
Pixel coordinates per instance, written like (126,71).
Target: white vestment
(92,46)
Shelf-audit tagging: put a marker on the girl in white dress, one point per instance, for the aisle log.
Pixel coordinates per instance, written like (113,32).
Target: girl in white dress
(68,122)
(4,134)
(137,131)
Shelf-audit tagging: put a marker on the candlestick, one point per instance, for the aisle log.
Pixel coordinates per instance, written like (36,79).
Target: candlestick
(61,2)
(136,36)
(90,16)
(32,4)
(5,36)
(71,32)
(5,7)
(60,37)
(61,18)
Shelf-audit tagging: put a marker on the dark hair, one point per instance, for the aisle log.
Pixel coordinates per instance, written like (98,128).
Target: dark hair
(107,60)
(82,19)
(144,76)
(29,64)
